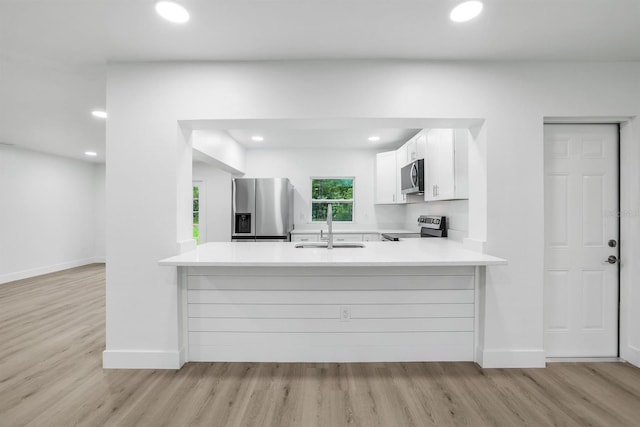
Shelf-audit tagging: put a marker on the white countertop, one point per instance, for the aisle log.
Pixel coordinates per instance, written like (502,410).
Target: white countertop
(410,252)
(353,230)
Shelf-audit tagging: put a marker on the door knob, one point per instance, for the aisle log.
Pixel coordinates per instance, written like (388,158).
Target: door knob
(612,259)
(613,243)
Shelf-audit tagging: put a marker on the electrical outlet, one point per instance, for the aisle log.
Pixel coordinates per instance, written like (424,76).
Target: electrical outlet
(345,314)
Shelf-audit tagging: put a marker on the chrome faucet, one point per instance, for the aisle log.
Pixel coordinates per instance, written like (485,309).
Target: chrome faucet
(330,226)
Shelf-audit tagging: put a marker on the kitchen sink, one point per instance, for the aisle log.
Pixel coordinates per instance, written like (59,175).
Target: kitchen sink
(325,245)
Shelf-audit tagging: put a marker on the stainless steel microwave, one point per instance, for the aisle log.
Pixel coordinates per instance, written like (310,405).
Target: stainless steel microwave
(412,177)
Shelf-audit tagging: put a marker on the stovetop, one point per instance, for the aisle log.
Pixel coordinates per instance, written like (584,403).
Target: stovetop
(397,236)
(430,226)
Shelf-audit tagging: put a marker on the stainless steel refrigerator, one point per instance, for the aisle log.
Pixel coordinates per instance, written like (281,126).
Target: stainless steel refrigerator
(262,210)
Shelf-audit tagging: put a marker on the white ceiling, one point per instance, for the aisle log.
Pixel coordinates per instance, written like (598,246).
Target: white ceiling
(53,52)
(323,138)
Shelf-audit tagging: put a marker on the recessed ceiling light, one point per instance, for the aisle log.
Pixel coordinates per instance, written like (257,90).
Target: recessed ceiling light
(257,138)
(90,153)
(466,11)
(172,11)
(99,113)
(374,138)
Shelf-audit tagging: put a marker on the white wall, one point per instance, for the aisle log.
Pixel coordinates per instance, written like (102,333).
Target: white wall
(215,199)
(220,147)
(147,100)
(48,213)
(100,212)
(299,165)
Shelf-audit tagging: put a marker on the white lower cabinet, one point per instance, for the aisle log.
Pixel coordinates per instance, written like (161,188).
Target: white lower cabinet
(344,237)
(371,237)
(337,237)
(347,237)
(311,237)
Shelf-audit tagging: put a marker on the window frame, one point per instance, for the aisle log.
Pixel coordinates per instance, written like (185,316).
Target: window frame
(333,201)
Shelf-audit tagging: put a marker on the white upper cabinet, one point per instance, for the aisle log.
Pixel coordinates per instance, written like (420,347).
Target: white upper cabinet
(389,165)
(386,177)
(412,149)
(446,164)
(416,147)
(401,160)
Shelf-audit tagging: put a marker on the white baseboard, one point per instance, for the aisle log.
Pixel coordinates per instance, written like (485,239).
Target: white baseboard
(137,359)
(182,356)
(26,274)
(478,356)
(330,354)
(99,259)
(512,359)
(583,359)
(632,355)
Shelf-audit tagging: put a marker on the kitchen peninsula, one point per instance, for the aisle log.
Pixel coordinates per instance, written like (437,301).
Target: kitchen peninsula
(413,300)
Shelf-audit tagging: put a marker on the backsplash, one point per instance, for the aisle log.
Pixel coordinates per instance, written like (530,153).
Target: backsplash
(456,211)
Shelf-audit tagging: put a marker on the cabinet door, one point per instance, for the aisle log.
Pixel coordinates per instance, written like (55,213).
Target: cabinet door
(305,237)
(431,164)
(446,164)
(347,237)
(401,155)
(412,150)
(386,177)
(421,145)
(401,160)
(445,183)
(462,163)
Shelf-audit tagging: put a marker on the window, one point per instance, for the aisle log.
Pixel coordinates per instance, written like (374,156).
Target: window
(338,192)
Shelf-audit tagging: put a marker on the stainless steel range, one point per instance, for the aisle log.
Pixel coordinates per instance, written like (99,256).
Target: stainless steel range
(429,226)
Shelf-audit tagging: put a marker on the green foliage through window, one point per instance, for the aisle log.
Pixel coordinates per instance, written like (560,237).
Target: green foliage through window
(196,214)
(338,192)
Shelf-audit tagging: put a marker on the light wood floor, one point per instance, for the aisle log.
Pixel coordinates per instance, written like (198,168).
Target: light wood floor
(52,337)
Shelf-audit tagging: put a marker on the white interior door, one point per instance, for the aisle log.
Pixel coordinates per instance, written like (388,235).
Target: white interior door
(581,217)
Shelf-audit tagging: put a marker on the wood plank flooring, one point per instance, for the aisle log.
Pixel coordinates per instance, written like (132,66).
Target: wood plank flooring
(52,337)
